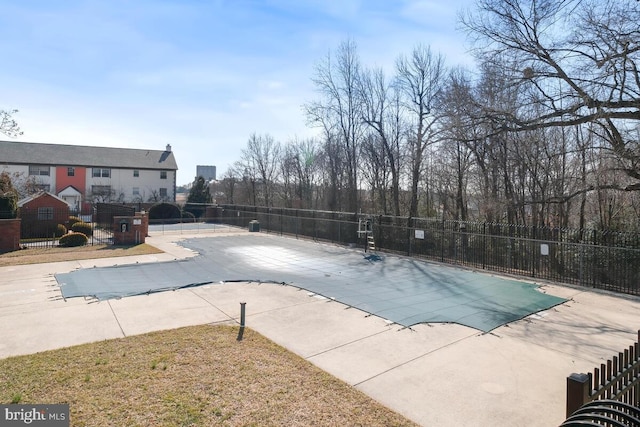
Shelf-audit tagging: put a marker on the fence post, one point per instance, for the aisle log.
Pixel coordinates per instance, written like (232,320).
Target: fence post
(577,392)
(534,251)
(409,235)
(442,241)
(484,245)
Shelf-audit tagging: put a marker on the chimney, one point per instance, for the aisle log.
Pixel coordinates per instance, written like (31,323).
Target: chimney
(168,150)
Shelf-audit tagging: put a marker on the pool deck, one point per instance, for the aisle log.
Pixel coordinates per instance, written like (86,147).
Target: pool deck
(435,374)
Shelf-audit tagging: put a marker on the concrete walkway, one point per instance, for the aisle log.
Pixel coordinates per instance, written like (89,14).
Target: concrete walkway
(436,375)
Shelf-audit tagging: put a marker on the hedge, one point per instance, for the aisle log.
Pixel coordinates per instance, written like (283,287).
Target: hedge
(73,239)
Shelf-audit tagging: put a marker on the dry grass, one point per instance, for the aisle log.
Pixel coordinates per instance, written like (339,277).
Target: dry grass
(57,254)
(195,376)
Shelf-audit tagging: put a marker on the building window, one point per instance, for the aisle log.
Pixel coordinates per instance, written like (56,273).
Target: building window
(39,170)
(163,174)
(71,171)
(136,173)
(101,173)
(101,190)
(163,192)
(45,214)
(136,191)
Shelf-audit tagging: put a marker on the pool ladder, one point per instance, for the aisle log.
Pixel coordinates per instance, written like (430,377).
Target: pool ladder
(371,244)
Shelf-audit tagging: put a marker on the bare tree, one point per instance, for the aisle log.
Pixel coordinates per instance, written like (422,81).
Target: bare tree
(259,162)
(309,161)
(456,136)
(376,172)
(335,173)
(229,183)
(288,176)
(383,114)
(420,77)
(578,60)
(26,184)
(339,113)
(8,125)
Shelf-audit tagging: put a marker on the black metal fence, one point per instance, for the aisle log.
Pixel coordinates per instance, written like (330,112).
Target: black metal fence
(617,380)
(590,258)
(43,227)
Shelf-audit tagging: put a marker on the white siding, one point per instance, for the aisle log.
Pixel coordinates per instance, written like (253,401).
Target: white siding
(122,182)
(23,172)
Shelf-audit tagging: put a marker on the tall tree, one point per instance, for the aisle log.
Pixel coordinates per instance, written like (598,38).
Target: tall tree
(339,111)
(229,183)
(382,112)
(199,197)
(457,134)
(260,161)
(420,77)
(308,155)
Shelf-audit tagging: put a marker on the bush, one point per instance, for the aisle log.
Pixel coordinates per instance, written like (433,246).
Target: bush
(8,197)
(73,219)
(164,211)
(188,217)
(82,227)
(61,230)
(8,207)
(73,239)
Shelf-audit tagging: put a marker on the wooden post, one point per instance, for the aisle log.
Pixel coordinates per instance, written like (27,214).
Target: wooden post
(577,392)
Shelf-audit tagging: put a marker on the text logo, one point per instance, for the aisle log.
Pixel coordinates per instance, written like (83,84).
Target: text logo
(34,415)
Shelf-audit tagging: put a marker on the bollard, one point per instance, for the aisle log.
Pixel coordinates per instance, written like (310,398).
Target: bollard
(242,315)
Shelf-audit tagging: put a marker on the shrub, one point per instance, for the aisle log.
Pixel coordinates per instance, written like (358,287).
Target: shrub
(188,217)
(61,230)
(73,239)
(8,197)
(8,207)
(82,227)
(164,211)
(73,219)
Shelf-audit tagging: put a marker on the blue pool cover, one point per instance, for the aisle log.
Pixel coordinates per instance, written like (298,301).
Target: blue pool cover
(403,290)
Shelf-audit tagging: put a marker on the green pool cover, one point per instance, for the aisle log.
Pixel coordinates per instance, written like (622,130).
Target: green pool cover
(403,290)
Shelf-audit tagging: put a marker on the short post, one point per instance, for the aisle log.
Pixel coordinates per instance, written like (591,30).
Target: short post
(577,392)
(242,315)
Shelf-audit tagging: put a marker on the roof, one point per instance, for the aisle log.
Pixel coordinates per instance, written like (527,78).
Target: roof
(13,152)
(32,197)
(73,189)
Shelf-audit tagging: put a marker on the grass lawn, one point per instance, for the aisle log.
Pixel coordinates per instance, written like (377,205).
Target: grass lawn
(56,254)
(195,376)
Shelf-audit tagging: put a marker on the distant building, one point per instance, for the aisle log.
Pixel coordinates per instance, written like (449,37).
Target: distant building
(207,172)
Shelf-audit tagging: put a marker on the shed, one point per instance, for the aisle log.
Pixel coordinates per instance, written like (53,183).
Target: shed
(41,213)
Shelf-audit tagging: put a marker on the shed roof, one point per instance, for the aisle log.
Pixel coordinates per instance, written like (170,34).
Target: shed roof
(13,152)
(31,198)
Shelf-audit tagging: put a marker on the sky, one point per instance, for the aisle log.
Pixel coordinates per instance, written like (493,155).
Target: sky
(201,75)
